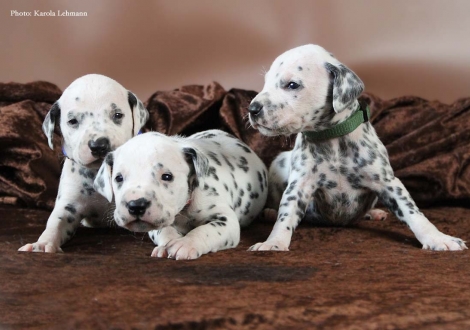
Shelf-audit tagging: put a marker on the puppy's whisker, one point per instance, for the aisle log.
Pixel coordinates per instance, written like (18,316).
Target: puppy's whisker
(263,71)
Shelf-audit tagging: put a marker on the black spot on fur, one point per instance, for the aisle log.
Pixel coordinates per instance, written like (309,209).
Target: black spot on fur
(228,162)
(244,147)
(71,208)
(331,184)
(254,195)
(86,173)
(213,156)
(243,164)
(109,159)
(213,171)
(132,100)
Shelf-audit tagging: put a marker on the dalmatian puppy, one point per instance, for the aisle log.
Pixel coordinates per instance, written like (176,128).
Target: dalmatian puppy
(96,115)
(191,194)
(335,180)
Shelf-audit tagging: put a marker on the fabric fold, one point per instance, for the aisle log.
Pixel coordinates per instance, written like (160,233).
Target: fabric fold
(428,142)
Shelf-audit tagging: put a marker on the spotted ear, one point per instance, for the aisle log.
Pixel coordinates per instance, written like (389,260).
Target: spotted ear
(199,162)
(140,115)
(103,180)
(346,86)
(48,126)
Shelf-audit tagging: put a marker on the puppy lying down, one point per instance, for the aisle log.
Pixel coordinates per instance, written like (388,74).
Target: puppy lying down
(338,167)
(191,194)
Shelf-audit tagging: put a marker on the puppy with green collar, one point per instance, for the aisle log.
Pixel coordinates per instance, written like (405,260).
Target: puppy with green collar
(338,167)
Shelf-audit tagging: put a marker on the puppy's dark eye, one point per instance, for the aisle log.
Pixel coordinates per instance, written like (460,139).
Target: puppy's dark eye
(118,116)
(119,178)
(292,85)
(167,177)
(73,122)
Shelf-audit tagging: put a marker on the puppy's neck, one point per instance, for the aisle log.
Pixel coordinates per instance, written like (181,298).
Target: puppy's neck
(330,118)
(339,124)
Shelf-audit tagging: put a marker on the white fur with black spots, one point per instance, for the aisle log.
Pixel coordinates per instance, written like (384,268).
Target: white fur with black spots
(96,115)
(335,181)
(191,194)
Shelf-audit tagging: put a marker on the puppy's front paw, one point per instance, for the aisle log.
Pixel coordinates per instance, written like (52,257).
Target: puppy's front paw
(271,245)
(442,242)
(47,247)
(179,249)
(159,252)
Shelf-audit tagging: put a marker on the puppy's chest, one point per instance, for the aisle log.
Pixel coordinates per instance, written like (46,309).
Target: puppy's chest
(339,175)
(333,170)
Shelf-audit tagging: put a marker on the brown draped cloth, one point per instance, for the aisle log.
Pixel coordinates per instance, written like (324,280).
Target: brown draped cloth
(372,275)
(428,141)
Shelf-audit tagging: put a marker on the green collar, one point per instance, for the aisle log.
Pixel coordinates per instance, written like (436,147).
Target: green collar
(359,116)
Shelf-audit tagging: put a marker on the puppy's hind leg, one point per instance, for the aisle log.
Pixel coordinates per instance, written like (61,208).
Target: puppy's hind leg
(278,177)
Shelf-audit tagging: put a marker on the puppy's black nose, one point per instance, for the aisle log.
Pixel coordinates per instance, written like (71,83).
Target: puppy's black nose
(138,206)
(255,108)
(99,147)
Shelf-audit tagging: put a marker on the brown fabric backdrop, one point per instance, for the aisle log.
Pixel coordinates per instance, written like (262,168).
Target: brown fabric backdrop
(428,142)
(370,276)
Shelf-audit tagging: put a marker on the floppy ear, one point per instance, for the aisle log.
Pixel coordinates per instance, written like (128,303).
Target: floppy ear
(103,180)
(346,86)
(52,118)
(140,115)
(199,162)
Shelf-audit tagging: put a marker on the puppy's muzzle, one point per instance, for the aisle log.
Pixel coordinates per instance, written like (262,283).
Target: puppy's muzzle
(100,147)
(138,207)
(255,109)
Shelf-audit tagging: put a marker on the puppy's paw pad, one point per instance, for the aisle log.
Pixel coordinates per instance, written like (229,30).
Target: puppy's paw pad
(41,247)
(443,242)
(376,215)
(269,246)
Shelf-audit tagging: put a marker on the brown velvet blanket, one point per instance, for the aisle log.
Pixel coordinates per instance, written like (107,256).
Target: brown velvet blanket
(370,276)
(428,142)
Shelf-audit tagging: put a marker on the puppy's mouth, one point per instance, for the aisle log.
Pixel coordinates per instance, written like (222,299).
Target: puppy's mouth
(270,131)
(140,226)
(95,164)
(264,127)
(257,125)
(92,161)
